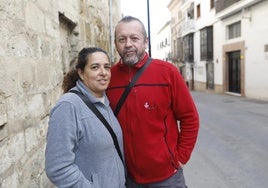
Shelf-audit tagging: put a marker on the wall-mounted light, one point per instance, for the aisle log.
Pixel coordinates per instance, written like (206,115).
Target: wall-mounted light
(244,12)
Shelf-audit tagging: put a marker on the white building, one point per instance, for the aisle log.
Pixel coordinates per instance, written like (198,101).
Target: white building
(164,43)
(242,37)
(223,45)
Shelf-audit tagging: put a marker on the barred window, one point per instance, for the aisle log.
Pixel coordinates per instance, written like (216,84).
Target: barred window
(206,43)
(212,4)
(188,44)
(234,30)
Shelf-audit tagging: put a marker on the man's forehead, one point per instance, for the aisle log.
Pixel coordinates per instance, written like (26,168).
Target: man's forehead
(129,34)
(133,23)
(128,27)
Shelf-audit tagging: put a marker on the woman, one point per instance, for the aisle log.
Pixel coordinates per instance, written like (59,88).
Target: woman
(80,151)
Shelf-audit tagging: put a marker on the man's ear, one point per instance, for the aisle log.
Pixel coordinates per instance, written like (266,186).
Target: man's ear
(115,43)
(146,43)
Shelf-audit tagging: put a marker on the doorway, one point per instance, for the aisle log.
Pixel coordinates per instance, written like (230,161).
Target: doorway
(234,72)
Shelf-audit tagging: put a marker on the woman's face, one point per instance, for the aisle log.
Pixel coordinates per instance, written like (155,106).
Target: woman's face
(96,75)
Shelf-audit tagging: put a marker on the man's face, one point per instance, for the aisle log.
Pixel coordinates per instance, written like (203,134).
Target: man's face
(130,41)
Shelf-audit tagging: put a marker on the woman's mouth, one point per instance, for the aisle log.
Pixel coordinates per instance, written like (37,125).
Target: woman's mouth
(102,81)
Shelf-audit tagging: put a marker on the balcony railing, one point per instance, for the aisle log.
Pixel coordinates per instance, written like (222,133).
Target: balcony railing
(187,26)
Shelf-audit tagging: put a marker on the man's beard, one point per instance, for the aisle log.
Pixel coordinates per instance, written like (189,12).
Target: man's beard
(132,60)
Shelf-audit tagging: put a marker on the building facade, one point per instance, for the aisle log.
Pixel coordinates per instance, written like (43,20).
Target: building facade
(39,43)
(164,43)
(244,47)
(222,45)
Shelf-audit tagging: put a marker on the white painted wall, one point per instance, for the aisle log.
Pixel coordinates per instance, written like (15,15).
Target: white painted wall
(207,18)
(218,40)
(255,32)
(162,35)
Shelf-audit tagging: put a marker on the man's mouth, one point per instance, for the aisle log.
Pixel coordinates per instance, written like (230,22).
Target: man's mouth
(129,53)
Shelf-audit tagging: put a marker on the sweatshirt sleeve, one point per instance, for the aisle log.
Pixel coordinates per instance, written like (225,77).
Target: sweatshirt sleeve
(62,140)
(187,115)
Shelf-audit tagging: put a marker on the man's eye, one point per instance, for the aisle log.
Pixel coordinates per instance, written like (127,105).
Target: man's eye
(122,40)
(135,39)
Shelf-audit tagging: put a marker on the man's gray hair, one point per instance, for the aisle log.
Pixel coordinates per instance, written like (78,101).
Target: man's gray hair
(131,18)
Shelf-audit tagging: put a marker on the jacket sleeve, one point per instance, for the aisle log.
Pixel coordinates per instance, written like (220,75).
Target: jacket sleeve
(187,115)
(62,140)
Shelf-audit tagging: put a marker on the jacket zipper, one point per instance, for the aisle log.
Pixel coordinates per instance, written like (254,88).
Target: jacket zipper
(169,150)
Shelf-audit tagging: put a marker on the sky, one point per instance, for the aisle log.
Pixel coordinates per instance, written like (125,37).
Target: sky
(159,14)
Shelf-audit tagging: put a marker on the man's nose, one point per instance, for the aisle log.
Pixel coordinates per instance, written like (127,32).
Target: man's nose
(128,42)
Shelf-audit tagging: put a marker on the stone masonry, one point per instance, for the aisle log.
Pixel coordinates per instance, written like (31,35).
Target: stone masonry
(39,41)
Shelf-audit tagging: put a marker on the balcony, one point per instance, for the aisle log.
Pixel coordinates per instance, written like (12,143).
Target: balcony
(187,27)
(223,11)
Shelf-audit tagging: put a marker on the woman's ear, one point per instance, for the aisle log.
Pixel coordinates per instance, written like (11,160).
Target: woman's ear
(80,73)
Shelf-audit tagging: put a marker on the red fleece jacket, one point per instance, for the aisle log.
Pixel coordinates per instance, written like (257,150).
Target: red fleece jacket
(159,119)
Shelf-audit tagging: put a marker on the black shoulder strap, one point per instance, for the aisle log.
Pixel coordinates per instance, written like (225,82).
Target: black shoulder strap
(130,85)
(93,108)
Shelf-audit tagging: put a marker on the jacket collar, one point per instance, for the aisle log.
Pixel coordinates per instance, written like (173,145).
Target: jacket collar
(80,86)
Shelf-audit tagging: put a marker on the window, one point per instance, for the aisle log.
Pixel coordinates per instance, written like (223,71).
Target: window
(180,48)
(161,44)
(206,43)
(198,11)
(223,4)
(190,13)
(234,30)
(188,44)
(174,52)
(212,4)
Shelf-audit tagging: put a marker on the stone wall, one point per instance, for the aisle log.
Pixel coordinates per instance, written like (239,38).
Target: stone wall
(39,41)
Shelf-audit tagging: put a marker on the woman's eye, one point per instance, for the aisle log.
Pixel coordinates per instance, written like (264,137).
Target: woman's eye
(108,67)
(94,67)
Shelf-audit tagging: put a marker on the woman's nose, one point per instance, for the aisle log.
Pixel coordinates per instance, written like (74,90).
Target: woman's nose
(103,71)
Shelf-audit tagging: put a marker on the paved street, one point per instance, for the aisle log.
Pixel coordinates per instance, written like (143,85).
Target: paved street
(232,147)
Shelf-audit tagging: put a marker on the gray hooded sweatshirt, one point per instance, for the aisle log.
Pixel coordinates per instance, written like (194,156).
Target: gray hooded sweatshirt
(80,152)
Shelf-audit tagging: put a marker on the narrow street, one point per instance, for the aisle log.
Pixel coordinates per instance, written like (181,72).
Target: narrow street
(232,147)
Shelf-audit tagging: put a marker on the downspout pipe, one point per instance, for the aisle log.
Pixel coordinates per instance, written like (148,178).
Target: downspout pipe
(111,32)
(149,30)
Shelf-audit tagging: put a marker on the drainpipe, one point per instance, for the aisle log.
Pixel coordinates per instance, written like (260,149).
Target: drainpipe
(149,32)
(111,32)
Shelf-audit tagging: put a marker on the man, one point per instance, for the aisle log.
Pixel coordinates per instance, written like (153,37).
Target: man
(159,119)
